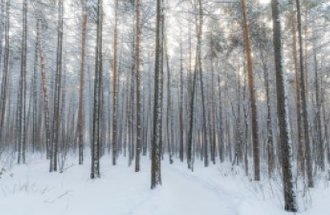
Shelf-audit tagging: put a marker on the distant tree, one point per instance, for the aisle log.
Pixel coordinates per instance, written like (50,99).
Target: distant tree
(308,153)
(115,88)
(57,90)
(139,134)
(81,118)
(21,103)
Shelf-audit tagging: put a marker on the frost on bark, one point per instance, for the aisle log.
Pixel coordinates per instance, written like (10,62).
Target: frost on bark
(95,147)
(157,121)
(282,114)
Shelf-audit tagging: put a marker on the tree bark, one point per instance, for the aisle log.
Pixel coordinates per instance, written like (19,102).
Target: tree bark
(308,153)
(81,118)
(157,122)
(283,115)
(251,84)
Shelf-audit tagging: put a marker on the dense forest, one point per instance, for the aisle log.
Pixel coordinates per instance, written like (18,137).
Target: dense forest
(244,82)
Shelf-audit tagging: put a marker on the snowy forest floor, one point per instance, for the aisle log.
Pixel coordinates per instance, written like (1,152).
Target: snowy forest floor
(31,190)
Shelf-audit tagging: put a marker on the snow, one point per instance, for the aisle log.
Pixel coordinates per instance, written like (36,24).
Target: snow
(31,190)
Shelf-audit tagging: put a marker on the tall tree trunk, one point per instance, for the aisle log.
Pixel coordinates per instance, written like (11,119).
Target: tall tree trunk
(44,89)
(139,134)
(251,84)
(320,145)
(114,89)
(57,91)
(300,144)
(283,115)
(95,148)
(303,92)
(181,141)
(4,86)
(21,106)
(34,96)
(157,122)
(270,144)
(81,88)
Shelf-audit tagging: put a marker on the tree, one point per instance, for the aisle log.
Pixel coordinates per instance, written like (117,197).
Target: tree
(157,121)
(57,91)
(282,114)
(138,86)
(4,83)
(81,87)
(308,153)
(300,156)
(115,93)
(251,85)
(95,147)
(21,104)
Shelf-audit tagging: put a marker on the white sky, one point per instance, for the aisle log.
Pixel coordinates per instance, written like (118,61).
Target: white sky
(264,1)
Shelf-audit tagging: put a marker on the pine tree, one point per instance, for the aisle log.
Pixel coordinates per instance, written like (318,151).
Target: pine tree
(81,118)
(282,114)
(57,91)
(251,84)
(308,153)
(95,146)
(139,134)
(157,121)
(21,105)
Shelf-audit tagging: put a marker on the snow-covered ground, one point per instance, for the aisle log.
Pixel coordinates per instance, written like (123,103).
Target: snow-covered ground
(31,190)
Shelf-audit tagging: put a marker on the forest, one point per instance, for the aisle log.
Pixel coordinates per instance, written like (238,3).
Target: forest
(148,103)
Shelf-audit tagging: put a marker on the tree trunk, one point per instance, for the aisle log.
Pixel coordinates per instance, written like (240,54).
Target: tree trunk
(81,119)
(21,106)
(114,85)
(157,123)
(251,84)
(95,148)
(139,133)
(283,115)
(57,92)
(303,92)
(4,86)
